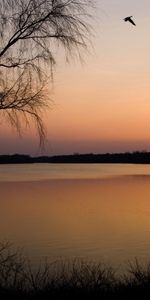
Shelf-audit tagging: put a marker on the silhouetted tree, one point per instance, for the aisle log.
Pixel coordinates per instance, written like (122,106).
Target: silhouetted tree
(29,31)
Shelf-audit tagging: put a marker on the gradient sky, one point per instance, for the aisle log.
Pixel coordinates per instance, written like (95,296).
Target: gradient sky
(102,105)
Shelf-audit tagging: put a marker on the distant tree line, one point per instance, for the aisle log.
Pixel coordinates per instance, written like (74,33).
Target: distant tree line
(116,158)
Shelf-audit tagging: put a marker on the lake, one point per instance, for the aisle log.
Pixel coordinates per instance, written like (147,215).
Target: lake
(96,212)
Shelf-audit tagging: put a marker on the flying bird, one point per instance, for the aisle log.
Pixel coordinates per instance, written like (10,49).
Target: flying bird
(129,20)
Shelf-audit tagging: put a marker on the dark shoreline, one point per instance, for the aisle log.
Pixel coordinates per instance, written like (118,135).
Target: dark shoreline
(78,279)
(89,158)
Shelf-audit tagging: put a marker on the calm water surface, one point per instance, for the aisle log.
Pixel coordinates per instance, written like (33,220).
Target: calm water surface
(94,212)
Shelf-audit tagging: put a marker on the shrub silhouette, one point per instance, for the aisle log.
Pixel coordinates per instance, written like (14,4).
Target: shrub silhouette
(18,280)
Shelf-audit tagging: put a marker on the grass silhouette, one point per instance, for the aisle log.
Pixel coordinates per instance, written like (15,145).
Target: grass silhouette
(69,280)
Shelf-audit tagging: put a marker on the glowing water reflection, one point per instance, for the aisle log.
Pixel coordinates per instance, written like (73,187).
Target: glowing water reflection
(96,218)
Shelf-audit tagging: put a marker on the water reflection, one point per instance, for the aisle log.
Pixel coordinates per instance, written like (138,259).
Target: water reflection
(36,172)
(106,219)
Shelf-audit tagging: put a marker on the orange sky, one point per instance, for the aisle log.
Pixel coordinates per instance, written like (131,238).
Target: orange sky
(104,104)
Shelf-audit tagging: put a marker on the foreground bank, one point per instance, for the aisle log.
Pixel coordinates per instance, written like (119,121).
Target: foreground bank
(69,280)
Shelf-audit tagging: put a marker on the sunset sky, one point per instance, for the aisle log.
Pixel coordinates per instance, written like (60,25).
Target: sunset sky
(102,105)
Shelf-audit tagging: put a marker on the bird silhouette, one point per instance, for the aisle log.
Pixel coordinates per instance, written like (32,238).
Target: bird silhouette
(129,20)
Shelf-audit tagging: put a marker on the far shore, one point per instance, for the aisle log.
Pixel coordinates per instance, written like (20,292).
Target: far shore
(135,157)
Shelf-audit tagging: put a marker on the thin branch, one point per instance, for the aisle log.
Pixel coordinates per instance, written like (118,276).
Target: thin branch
(29,31)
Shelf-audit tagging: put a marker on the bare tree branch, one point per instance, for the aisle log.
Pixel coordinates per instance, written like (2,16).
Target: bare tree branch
(29,32)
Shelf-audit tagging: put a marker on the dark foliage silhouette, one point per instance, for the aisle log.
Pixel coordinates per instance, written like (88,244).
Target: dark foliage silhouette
(136,157)
(18,280)
(30,31)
